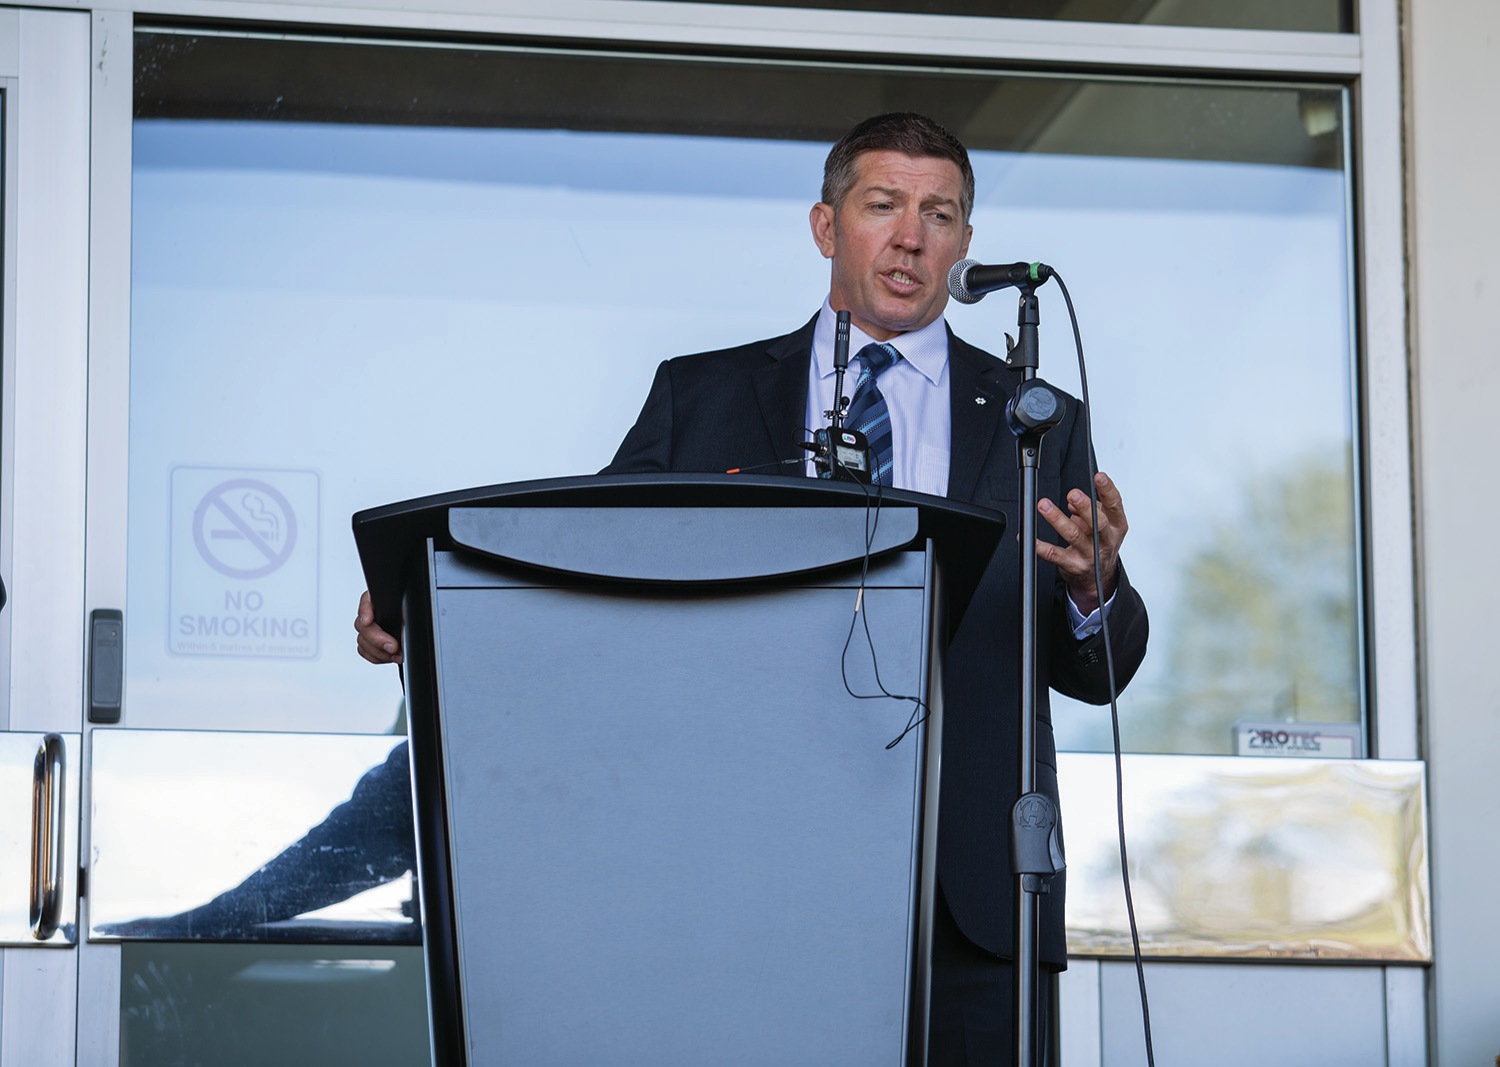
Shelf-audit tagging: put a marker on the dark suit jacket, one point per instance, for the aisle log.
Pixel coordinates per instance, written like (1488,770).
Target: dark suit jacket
(745,407)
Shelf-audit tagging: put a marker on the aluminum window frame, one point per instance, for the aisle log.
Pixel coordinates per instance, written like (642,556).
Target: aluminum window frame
(1368,62)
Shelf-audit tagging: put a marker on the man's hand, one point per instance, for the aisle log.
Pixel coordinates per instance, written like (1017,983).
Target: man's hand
(1075,557)
(374,644)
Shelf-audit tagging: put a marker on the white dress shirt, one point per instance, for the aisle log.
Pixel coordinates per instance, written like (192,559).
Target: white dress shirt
(916,393)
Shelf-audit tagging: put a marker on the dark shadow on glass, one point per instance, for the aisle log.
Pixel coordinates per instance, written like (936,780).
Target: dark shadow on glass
(365,842)
(445,84)
(1316,16)
(271,1005)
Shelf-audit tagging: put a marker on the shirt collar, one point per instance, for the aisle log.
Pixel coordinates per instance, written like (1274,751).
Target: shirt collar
(925,349)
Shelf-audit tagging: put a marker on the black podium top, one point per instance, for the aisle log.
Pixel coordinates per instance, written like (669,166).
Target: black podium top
(558,537)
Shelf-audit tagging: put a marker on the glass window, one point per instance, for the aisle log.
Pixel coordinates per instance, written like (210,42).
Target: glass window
(235,1005)
(1327,16)
(366,272)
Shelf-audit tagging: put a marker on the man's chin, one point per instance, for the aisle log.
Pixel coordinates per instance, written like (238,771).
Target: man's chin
(905,320)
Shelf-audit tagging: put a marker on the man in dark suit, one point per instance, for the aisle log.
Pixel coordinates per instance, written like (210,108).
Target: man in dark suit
(897,194)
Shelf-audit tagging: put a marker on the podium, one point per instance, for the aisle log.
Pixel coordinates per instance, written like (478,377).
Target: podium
(653,825)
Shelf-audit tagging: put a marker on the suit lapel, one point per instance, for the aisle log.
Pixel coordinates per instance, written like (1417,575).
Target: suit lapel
(978,387)
(781,391)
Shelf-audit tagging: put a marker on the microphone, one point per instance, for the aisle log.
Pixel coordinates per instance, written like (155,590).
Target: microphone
(970,280)
(839,452)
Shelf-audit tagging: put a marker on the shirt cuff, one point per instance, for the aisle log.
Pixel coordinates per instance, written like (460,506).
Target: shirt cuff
(1088,627)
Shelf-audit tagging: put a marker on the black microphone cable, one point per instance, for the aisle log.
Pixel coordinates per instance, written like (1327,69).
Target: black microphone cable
(861,614)
(1109,667)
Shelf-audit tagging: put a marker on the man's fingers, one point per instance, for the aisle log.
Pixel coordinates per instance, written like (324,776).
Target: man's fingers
(1050,553)
(373,643)
(1083,512)
(379,647)
(1074,558)
(1074,528)
(1069,559)
(1111,512)
(1110,499)
(377,639)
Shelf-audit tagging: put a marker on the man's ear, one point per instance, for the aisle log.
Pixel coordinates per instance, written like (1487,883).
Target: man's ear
(968,235)
(822,221)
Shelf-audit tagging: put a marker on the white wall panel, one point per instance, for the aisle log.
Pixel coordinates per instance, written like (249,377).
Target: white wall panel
(1246,1016)
(1454,86)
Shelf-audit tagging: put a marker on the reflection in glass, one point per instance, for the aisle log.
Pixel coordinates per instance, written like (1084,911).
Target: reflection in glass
(360,256)
(148,863)
(1250,858)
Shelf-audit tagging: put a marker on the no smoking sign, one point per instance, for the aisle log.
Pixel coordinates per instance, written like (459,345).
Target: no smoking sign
(245,528)
(244,574)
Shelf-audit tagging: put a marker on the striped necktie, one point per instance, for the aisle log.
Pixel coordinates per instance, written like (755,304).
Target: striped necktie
(867,411)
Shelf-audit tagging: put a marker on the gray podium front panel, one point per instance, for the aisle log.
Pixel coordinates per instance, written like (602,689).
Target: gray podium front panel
(675,838)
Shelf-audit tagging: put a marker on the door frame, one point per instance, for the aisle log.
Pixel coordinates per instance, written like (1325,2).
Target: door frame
(44,70)
(111,70)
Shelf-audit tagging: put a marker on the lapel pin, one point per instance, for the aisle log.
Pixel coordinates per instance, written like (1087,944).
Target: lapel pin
(981,401)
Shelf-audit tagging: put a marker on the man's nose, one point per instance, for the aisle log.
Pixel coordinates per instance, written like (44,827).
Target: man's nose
(908,233)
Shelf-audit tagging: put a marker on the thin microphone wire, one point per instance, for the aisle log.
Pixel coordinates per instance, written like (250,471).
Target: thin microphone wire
(1109,666)
(862,613)
(919,713)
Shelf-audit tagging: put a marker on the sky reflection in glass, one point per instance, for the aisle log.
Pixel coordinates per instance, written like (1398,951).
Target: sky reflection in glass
(409,310)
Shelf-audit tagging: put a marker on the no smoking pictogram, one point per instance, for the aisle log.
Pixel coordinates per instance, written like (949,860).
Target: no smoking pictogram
(244,528)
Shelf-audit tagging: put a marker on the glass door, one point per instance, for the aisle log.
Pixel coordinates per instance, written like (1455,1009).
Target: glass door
(212,918)
(248,830)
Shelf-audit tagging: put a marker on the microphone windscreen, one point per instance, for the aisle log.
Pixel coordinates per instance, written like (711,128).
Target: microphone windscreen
(956,287)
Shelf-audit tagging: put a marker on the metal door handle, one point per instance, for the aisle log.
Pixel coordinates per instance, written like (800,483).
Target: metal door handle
(47,837)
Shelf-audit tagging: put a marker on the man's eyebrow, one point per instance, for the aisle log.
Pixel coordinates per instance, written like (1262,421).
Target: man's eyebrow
(931,201)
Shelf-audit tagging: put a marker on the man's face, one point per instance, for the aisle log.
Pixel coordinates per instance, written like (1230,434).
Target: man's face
(892,241)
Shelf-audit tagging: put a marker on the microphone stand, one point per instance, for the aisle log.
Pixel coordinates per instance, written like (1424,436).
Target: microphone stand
(1035,851)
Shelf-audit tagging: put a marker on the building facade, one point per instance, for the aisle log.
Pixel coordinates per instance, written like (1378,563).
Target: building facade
(266,264)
